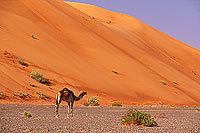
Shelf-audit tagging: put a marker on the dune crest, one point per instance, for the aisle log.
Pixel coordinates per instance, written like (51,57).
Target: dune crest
(110,55)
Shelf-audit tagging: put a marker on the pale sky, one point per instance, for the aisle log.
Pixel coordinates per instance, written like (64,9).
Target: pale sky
(177,18)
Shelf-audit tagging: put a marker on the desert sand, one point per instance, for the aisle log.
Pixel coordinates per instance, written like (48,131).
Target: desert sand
(79,46)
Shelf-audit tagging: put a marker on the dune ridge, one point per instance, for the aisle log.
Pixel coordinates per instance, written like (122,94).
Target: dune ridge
(79,45)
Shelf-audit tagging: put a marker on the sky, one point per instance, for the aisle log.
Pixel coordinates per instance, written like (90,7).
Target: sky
(177,18)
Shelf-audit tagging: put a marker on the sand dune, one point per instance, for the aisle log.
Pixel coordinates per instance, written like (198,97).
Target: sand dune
(79,45)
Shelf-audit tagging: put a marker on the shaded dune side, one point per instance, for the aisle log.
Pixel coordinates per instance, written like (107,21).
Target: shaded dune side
(79,45)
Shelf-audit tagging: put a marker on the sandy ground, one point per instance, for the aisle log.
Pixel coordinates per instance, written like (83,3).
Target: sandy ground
(110,55)
(95,119)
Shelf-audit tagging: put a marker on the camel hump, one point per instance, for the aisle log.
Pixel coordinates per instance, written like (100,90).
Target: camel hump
(66,92)
(66,89)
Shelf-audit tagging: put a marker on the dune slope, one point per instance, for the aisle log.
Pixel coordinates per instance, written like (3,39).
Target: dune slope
(83,47)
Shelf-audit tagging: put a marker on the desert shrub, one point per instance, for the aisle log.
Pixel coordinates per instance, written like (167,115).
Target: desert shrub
(134,117)
(115,72)
(27,114)
(2,95)
(163,82)
(175,82)
(93,101)
(116,104)
(5,52)
(33,37)
(42,96)
(86,103)
(21,94)
(31,84)
(20,61)
(38,77)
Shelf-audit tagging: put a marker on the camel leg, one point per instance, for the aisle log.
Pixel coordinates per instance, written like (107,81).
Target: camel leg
(68,109)
(72,104)
(57,106)
(58,101)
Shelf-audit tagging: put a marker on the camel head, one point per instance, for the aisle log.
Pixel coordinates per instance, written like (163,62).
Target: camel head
(83,93)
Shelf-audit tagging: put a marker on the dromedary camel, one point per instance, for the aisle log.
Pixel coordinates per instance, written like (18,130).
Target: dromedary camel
(67,95)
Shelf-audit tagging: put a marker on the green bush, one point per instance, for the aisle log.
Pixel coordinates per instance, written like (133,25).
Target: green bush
(27,114)
(2,95)
(21,94)
(93,101)
(20,61)
(115,72)
(163,82)
(42,96)
(134,117)
(31,84)
(33,37)
(86,103)
(116,104)
(175,82)
(5,52)
(38,77)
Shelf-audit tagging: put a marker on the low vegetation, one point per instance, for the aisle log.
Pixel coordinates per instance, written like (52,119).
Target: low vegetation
(31,84)
(21,95)
(33,36)
(194,72)
(93,101)
(42,96)
(116,104)
(38,77)
(134,117)
(27,114)
(114,71)
(5,52)
(163,82)
(20,61)
(2,95)
(175,82)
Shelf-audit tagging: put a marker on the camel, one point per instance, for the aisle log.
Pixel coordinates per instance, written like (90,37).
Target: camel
(67,95)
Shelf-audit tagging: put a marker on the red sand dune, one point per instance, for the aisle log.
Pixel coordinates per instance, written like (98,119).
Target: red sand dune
(79,46)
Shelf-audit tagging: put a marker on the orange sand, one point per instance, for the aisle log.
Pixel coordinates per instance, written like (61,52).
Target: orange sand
(79,46)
